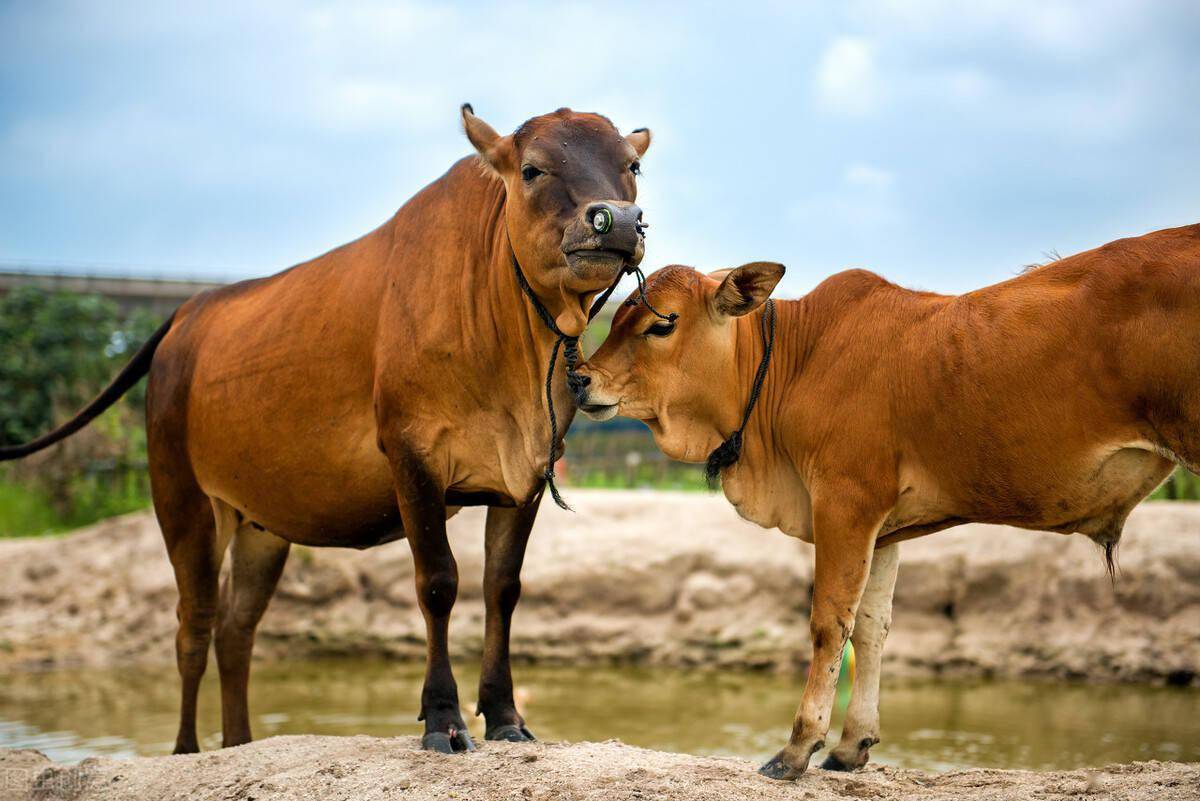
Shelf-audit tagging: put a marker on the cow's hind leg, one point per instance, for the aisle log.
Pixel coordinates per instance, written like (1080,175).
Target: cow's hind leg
(861,728)
(257,559)
(507,534)
(195,549)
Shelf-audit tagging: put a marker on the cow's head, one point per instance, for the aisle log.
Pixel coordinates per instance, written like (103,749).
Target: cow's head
(680,377)
(571,183)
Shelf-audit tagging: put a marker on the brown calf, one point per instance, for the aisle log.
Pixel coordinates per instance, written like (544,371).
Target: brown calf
(368,394)
(1057,400)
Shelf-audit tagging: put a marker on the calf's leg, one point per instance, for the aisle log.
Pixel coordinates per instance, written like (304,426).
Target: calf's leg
(258,559)
(844,535)
(861,728)
(506,537)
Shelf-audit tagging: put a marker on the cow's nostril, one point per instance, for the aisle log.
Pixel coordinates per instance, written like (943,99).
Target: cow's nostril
(577,383)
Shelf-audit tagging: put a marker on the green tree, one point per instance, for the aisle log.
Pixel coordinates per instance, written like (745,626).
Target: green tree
(57,351)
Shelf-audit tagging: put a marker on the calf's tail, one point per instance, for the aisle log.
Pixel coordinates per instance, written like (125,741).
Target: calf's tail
(133,372)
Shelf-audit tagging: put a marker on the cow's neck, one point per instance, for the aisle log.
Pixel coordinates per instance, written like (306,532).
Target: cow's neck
(500,346)
(791,346)
(765,485)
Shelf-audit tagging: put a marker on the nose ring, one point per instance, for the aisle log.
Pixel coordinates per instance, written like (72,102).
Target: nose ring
(602,221)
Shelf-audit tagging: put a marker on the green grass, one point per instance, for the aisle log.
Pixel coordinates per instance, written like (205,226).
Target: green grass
(683,480)
(1181,486)
(26,512)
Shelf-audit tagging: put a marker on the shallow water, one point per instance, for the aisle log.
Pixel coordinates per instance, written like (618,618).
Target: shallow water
(932,724)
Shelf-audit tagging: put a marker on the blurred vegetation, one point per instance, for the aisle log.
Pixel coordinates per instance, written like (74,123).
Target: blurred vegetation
(621,454)
(1181,486)
(57,351)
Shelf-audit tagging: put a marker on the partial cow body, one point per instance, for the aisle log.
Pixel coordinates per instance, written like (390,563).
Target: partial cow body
(366,395)
(1055,401)
(368,332)
(1032,403)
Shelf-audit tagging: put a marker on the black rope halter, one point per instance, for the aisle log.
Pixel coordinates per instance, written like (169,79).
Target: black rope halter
(570,348)
(729,451)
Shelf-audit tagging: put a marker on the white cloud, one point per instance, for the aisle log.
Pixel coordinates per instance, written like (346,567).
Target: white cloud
(380,105)
(869,177)
(847,80)
(865,200)
(1057,26)
(966,83)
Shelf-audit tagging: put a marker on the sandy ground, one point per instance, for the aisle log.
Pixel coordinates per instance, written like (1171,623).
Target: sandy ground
(366,768)
(658,578)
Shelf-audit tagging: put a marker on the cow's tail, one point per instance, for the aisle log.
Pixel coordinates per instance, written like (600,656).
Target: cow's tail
(133,372)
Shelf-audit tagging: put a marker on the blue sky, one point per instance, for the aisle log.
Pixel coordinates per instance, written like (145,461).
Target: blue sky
(941,144)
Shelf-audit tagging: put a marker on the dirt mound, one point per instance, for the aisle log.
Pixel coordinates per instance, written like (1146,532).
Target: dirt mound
(365,768)
(662,578)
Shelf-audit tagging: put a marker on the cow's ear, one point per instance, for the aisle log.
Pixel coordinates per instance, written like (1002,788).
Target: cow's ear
(494,149)
(640,139)
(745,288)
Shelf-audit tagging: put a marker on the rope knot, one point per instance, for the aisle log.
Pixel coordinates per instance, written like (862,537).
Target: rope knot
(724,455)
(728,452)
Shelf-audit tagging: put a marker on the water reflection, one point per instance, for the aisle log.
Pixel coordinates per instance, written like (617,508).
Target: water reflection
(930,724)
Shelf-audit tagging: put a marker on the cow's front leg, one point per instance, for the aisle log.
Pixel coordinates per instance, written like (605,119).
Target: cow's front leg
(422,500)
(861,728)
(507,534)
(844,535)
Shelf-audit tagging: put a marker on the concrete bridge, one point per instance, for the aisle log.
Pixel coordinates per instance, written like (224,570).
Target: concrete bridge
(159,294)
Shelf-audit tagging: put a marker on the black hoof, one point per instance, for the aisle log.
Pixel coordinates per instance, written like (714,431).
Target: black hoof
(776,768)
(833,762)
(456,741)
(510,733)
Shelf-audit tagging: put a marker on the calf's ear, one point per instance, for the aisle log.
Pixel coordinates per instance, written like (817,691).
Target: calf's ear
(494,149)
(640,139)
(745,288)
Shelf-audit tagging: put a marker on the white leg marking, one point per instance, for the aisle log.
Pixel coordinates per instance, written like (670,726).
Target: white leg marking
(871,625)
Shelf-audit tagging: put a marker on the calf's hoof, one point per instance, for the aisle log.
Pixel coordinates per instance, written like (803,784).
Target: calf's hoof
(834,762)
(778,768)
(510,733)
(851,761)
(455,741)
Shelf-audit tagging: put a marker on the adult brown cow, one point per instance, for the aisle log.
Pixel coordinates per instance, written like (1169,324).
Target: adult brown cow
(368,394)
(1057,400)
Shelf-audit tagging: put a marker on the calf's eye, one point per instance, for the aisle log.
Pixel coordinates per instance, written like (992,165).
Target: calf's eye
(636,168)
(529,172)
(661,328)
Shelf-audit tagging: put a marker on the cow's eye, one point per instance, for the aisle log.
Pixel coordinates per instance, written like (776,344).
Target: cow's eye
(636,168)
(661,328)
(529,172)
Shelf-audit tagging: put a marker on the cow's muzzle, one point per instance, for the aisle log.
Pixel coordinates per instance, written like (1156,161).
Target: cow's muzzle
(606,237)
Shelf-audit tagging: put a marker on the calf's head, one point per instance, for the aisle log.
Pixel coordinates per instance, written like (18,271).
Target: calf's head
(680,376)
(571,182)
